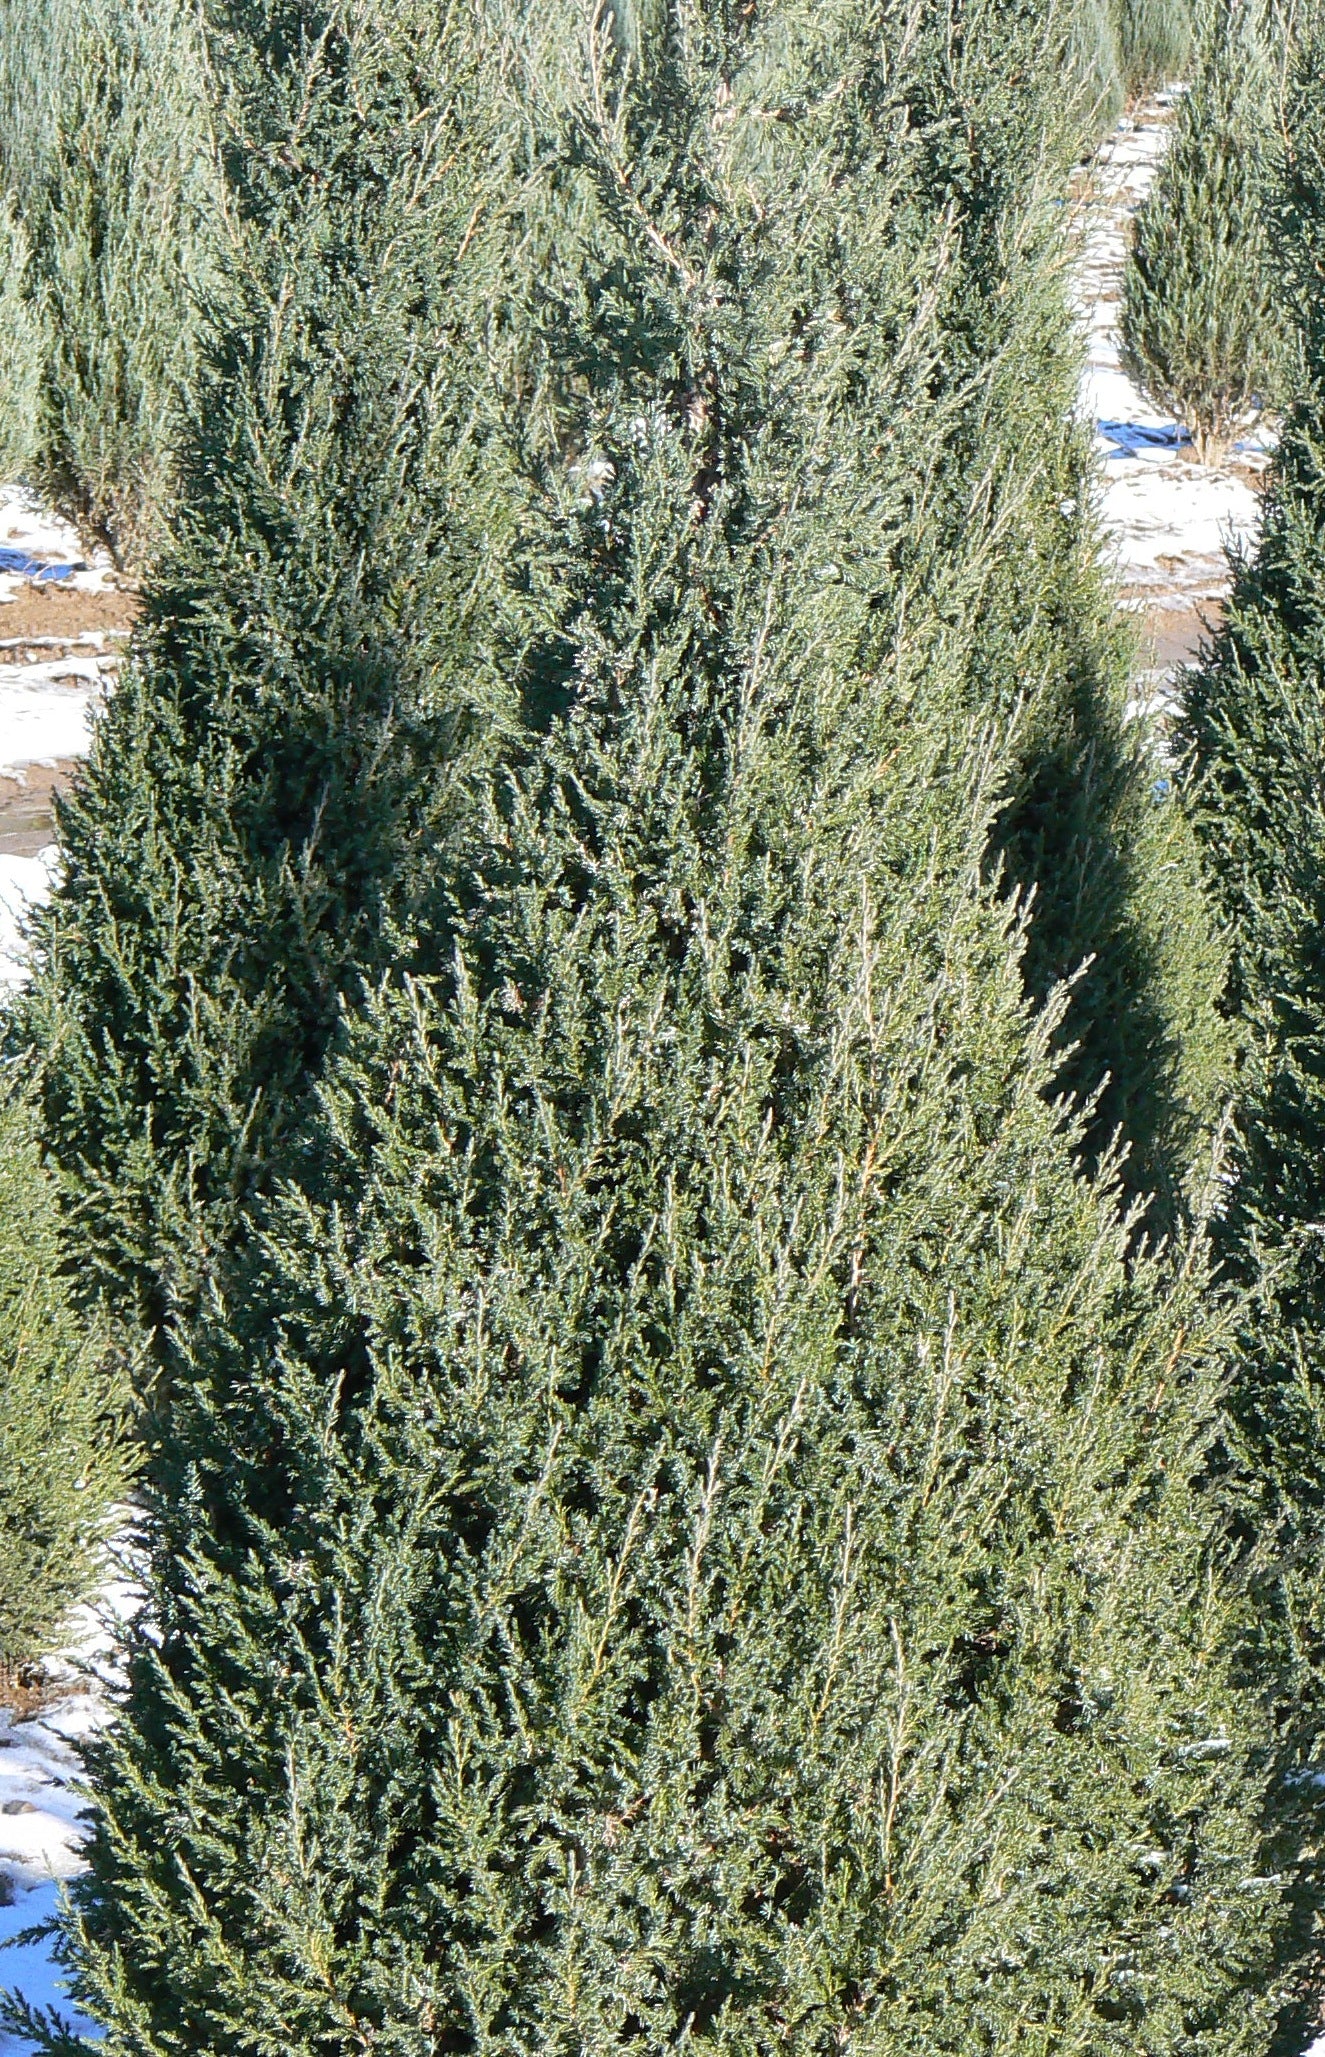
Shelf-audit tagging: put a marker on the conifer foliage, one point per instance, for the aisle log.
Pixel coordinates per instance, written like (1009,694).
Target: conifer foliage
(270,777)
(63,1457)
(21,345)
(1254,735)
(1199,315)
(1119,48)
(675,1525)
(105,157)
(1107,863)
(1154,40)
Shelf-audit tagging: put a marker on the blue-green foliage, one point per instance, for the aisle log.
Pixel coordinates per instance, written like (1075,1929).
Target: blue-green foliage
(1254,732)
(105,159)
(1154,40)
(63,1401)
(671,1497)
(1200,329)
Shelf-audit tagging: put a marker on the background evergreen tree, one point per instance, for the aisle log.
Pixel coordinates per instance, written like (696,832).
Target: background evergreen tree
(1254,731)
(680,1527)
(1154,40)
(105,154)
(20,350)
(1088,831)
(1094,62)
(269,783)
(1119,48)
(1199,326)
(63,1456)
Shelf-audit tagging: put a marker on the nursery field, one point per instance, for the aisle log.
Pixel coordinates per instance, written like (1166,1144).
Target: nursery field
(662,1091)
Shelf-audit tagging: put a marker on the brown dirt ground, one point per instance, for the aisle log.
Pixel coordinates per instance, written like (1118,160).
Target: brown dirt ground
(25,1690)
(27,820)
(1174,635)
(51,611)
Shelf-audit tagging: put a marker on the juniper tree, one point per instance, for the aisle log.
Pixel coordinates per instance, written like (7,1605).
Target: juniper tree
(1198,327)
(63,1454)
(1255,717)
(270,778)
(1119,48)
(1093,61)
(20,341)
(1087,829)
(677,1524)
(105,151)
(1154,40)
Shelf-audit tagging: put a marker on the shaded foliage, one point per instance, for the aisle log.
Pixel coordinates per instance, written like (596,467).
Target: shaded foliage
(63,1454)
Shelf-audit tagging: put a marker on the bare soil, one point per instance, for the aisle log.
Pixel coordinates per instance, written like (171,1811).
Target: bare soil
(1173,635)
(57,611)
(25,1690)
(27,817)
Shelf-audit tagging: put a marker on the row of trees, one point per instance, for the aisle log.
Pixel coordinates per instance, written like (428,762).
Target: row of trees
(112,234)
(634,1042)
(1251,740)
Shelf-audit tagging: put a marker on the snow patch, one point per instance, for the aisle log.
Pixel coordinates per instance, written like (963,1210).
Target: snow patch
(27,1968)
(1169,521)
(25,882)
(46,709)
(26,525)
(41,1808)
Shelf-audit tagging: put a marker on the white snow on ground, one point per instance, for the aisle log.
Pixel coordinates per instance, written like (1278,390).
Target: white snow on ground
(47,705)
(24,884)
(26,1968)
(40,1807)
(1169,519)
(46,710)
(46,713)
(26,525)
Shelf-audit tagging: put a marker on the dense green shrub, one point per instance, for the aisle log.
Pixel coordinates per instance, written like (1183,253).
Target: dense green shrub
(1254,734)
(671,1519)
(62,1453)
(1154,40)
(1119,48)
(1105,859)
(1092,59)
(1199,322)
(268,794)
(104,152)
(20,350)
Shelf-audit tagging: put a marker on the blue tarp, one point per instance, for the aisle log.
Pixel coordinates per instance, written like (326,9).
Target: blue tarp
(33,568)
(1131,437)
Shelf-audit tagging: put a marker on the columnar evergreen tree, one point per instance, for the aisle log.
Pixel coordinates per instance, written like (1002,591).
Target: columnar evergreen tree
(1119,48)
(1199,309)
(1154,40)
(676,1525)
(63,1402)
(1087,830)
(1254,733)
(105,153)
(20,349)
(270,780)
(1093,60)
